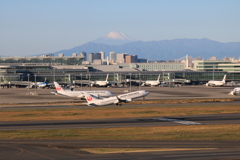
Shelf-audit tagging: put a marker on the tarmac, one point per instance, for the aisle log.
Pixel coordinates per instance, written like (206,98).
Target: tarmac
(32,96)
(72,149)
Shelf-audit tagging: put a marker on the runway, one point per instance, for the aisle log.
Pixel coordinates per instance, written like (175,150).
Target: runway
(124,122)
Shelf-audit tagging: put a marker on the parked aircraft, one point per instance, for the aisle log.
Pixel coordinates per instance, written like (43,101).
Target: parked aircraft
(79,94)
(42,84)
(128,97)
(152,83)
(101,83)
(235,91)
(217,83)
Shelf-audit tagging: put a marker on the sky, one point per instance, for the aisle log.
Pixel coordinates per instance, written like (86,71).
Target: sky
(30,27)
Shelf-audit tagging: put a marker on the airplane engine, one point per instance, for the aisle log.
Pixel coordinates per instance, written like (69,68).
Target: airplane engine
(128,100)
(80,96)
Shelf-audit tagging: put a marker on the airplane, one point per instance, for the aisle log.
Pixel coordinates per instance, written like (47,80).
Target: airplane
(101,83)
(43,84)
(128,97)
(235,91)
(79,94)
(152,83)
(217,83)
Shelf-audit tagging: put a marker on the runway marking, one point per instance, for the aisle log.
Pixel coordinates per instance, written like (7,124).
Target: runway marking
(177,121)
(21,151)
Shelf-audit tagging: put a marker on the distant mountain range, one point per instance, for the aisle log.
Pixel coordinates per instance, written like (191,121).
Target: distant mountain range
(157,50)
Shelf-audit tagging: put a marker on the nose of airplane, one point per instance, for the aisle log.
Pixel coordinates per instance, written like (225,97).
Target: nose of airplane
(146,92)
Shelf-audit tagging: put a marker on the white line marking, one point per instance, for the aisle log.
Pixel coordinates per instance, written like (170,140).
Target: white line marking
(178,121)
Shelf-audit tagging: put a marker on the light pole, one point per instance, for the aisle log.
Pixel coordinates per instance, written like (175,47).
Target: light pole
(81,81)
(139,82)
(28,83)
(130,83)
(0,81)
(89,81)
(163,76)
(169,80)
(35,84)
(53,74)
(213,72)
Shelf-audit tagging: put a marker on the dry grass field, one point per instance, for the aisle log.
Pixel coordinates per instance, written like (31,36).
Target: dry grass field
(196,132)
(114,112)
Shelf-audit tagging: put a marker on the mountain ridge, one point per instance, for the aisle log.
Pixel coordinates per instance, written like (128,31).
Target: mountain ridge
(164,49)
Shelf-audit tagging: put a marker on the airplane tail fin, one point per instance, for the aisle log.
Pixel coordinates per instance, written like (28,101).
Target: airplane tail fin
(158,78)
(107,78)
(58,87)
(89,97)
(224,78)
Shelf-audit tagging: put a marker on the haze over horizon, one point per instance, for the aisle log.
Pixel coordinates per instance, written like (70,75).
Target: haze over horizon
(40,27)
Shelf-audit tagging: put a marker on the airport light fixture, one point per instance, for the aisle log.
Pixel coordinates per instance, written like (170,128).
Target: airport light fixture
(28,83)
(53,74)
(35,84)
(130,82)
(139,81)
(89,80)
(81,80)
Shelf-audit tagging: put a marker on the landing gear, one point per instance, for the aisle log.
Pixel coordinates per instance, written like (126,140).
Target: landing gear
(118,104)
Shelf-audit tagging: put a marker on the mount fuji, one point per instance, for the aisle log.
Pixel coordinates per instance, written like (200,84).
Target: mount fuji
(114,38)
(157,50)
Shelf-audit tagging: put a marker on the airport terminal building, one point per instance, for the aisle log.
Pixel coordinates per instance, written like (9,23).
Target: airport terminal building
(70,70)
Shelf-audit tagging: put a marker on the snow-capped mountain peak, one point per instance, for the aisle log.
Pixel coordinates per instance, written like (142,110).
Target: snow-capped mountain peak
(116,35)
(114,38)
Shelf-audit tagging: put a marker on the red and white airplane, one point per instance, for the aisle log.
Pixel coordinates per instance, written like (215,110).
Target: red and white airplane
(217,83)
(101,83)
(152,83)
(79,94)
(128,97)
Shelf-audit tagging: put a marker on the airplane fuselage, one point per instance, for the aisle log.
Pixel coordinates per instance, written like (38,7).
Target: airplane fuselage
(107,101)
(215,83)
(79,94)
(152,83)
(101,83)
(133,95)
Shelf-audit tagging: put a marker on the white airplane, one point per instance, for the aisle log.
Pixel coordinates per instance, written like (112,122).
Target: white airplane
(235,91)
(92,101)
(41,84)
(79,94)
(101,83)
(217,83)
(152,83)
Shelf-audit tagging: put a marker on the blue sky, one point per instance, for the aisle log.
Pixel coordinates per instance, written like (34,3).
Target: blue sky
(31,27)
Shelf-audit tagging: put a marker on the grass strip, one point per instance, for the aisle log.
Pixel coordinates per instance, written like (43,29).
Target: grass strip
(229,132)
(69,113)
